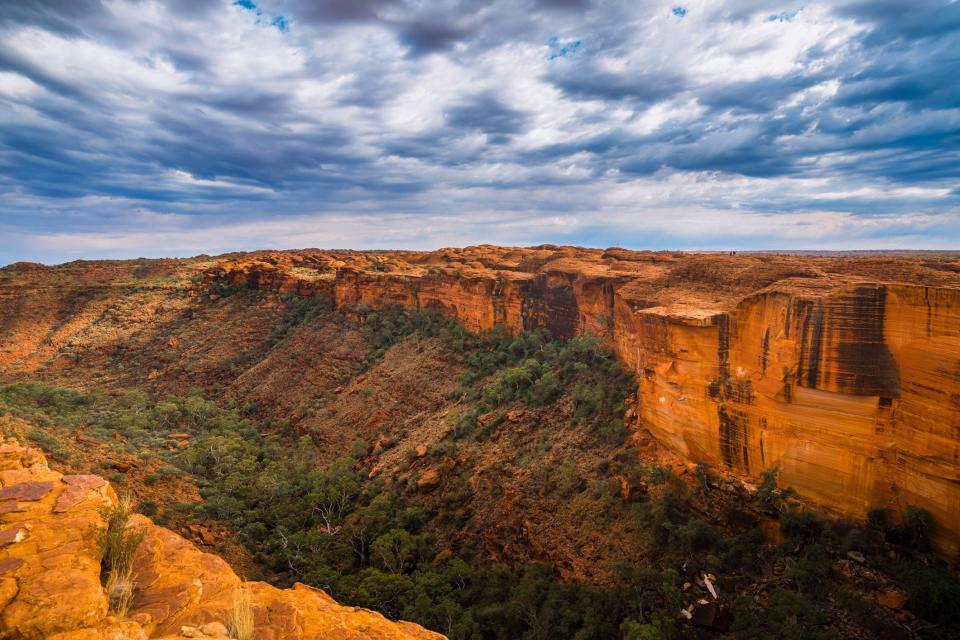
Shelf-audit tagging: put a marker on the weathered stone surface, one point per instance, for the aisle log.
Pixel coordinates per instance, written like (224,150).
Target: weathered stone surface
(78,488)
(50,579)
(892,598)
(12,535)
(429,480)
(26,491)
(840,371)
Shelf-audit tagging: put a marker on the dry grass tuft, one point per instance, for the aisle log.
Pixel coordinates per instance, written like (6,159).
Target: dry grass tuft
(119,544)
(240,617)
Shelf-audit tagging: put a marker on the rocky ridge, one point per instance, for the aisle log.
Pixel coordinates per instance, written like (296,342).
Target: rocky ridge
(841,371)
(50,563)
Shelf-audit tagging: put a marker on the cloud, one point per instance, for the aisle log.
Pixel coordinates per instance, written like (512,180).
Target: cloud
(467,121)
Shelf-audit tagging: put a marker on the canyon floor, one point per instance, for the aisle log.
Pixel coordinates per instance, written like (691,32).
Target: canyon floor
(548,442)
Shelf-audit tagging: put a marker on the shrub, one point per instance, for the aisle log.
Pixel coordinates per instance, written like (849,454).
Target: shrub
(879,519)
(933,593)
(799,525)
(915,531)
(809,571)
(660,474)
(633,630)
(568,479)
(786,616)
(772,499)
(359,449)
(703,475)
(240,620)
(613,431)
(119,543)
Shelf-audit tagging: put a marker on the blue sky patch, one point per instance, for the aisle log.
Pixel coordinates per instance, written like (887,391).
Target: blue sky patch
(281,23)
(783,16)
(562,51)
(248,5)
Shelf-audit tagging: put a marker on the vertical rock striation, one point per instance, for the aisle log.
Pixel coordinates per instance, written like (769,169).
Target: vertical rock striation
(843,372)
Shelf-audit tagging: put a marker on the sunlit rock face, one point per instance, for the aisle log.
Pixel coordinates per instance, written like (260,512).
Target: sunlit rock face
(50,566)
(843,372)
(850,391)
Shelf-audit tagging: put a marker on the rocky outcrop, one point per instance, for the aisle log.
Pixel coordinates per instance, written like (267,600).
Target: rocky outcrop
(841,371)
(844,373)
(50,574)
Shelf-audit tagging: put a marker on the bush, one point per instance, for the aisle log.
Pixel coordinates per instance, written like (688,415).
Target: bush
(568,479)
(772,499)
(798,525)
(359,449)
(786,616)
(660,474)
(613,431)
(915,531)
(810,571)
(933,593)
(119,543)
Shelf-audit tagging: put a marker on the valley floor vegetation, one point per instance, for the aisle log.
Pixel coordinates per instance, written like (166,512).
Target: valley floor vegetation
(384,544)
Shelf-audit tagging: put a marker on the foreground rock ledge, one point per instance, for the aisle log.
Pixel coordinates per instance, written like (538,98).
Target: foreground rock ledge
(50,574)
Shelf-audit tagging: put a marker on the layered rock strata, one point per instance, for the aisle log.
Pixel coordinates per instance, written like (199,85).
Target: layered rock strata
(843,373)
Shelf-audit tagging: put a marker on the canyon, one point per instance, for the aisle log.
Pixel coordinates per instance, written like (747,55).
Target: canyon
(842,372)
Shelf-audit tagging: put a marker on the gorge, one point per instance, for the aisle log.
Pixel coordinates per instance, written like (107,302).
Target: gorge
(838,374)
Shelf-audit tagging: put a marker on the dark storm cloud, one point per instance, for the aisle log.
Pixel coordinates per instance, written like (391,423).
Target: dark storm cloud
(429,36)
(586,82)
(565,5)
(894,19)
(375,105)
(487,114)
(61,16)
(251,104)
(325,12)
(760,96)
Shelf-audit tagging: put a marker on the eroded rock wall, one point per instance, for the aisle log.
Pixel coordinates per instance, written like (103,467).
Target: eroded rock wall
(843,372)
(851,393)
(850,389)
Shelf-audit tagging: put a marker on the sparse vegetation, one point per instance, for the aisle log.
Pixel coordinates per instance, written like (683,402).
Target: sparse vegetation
(118,543)
(240,618)
(390,547)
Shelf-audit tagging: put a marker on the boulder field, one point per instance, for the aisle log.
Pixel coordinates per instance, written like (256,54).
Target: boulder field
(50,562)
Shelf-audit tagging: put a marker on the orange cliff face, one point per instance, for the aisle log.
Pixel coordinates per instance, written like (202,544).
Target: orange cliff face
(50,574)
(847,383)
(841,371)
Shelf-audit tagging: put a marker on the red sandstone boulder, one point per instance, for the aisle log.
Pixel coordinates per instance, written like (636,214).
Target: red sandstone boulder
(429,480)
(50,575)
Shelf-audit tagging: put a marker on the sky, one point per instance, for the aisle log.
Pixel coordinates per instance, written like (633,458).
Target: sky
(179,127)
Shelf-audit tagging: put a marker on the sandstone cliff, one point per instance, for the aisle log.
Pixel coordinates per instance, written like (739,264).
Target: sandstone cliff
(50,574)
(844,373)
(841,371)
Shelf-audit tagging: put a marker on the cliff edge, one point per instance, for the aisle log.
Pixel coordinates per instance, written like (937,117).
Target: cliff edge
(50,574)
(841,371)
